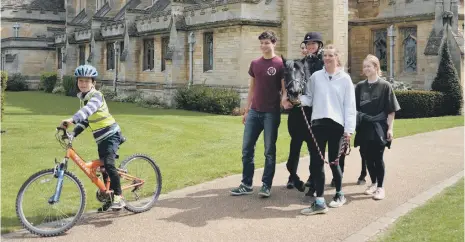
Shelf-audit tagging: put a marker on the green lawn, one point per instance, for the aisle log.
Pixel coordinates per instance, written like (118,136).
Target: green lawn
(189,147)
(440,219)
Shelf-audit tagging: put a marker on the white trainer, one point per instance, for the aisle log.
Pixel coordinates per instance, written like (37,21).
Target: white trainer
(371,189)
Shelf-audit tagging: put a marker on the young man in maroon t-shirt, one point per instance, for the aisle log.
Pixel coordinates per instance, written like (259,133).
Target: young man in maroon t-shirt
(263,113)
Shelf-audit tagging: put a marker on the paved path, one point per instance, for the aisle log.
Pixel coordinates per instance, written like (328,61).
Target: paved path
(207,212)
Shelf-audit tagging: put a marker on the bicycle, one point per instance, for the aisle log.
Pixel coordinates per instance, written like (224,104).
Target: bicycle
(94,170)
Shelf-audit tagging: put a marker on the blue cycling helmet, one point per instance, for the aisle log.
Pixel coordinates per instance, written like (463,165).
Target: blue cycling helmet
(86,71)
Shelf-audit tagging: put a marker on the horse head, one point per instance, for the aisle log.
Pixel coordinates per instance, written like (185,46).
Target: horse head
(294,77)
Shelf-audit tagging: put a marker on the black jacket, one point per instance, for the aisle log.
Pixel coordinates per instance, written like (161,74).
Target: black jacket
(296,123)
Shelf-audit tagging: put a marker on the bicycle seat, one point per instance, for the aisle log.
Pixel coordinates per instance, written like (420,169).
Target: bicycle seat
(123,139)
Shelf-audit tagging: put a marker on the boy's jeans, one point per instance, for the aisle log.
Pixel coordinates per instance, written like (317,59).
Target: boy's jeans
(255,123)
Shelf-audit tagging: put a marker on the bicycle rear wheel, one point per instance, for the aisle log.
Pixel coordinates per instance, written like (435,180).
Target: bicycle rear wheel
(43,218)
(142,170)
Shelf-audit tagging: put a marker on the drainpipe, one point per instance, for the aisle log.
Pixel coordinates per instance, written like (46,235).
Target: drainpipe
(191,41)
(391,34)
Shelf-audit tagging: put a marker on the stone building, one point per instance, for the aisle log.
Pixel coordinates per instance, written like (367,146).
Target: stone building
(27,31)
(419,28)
(159,45)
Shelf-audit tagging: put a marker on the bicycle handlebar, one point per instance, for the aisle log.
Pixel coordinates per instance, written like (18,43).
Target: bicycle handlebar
(65,135)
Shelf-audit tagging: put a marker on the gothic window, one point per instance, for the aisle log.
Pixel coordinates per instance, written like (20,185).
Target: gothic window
(59,58)
(207,51)
(110,56)
(164,50)
(380,47)
(409,45)
(121,48)
(149,55)
(82,55)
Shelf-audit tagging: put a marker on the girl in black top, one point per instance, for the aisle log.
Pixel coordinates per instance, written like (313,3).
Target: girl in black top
(376,106)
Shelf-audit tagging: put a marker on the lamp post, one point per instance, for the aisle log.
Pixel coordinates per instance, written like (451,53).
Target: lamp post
(391,35)
(191,41)
(116,48)
(16,27)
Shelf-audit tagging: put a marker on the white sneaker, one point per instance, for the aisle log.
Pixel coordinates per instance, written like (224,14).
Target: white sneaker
(379,194)
(371,189)
(338,200)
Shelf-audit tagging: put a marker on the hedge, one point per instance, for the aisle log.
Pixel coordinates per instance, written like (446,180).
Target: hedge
(16,82)
(4,78)
(447,81)
(207,99)
(70,86)
(419,104)
(48,81)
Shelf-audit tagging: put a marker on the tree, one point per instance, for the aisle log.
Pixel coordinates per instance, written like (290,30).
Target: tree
(4,78)
(447,81)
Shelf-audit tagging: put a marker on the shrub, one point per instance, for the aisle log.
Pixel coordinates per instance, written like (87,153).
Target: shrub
(48,81)
(4,77)
(400,86)
(206,99)
(17,82)
(126,97)
(69,86)
(447,81)
(419,104)
(107,92)
(150,102)
(58,90)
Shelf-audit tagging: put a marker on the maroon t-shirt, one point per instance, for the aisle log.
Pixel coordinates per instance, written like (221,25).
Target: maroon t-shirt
(268,74)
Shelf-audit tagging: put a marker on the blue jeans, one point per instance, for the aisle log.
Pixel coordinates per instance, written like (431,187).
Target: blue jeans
(255,123)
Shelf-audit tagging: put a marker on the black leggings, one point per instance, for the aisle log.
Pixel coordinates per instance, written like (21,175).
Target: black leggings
(294,156)
(363,172)
(331,135)
(299,133)
(373,153)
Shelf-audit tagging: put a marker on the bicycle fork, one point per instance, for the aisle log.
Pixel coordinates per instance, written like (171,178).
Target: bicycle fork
(58,172)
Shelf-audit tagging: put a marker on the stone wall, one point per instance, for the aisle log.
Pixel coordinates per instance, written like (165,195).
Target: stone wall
(26,29)
(406,8)
(328,17)
(31,63)
(361,44)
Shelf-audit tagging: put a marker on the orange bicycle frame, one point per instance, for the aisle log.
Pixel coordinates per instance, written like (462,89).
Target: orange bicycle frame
(90,169)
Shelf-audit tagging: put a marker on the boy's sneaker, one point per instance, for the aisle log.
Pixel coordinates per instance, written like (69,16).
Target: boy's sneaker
(118,202)
(241,190)
(338,200)
(104,207)
(379,194)
(315,209)
(371,189)
(264,191)
(290,184)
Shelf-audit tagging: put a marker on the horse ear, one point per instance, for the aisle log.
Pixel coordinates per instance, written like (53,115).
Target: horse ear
(284,59)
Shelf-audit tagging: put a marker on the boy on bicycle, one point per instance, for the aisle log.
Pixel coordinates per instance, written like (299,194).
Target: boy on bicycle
(94,113)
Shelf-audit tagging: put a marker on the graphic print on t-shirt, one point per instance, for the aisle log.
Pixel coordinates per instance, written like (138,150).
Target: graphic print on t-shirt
(271,71)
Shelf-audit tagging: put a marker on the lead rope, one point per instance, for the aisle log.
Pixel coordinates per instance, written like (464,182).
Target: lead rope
(345,145)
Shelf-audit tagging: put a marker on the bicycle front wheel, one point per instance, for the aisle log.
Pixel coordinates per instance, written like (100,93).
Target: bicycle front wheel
(42,217)
(142,185)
